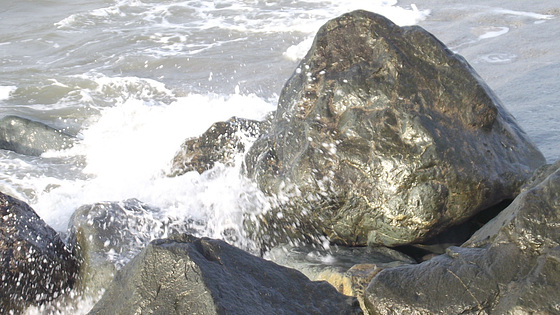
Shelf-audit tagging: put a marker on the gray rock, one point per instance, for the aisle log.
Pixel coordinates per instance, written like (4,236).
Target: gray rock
(220,143)
(188,275)
(510,266)
(348,269)
(385,137)
(106,235)
(316,263)
(35,265)
(30,137)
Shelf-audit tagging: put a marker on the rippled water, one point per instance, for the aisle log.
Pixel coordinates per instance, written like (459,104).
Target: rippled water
(132,79)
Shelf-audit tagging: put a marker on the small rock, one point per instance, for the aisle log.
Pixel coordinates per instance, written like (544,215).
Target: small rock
(221,143)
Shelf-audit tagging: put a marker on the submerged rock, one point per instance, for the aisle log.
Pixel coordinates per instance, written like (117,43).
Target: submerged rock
(383,136)
(30,137)
(106,235)
(188,275)
(219,144)
(510,266)
(35,265)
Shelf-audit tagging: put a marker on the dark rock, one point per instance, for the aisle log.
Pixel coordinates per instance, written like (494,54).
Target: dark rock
(510,266)
(220,143)
(35,265)
(106,235)
(188,275)
(384,136)
(30,137)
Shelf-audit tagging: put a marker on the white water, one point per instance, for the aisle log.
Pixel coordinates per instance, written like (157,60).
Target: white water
(134,79)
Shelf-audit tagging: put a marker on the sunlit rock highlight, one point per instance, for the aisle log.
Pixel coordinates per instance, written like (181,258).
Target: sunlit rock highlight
(510,266)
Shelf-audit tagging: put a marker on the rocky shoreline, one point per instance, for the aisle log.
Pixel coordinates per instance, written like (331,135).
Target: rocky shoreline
(386,153)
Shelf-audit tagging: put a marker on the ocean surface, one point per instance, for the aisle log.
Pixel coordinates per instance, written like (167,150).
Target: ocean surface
(132,79)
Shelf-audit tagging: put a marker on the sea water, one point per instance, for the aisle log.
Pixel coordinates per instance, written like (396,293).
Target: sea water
(132,79)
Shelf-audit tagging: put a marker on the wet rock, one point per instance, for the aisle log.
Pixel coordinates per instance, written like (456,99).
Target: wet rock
(510,266)
(30,137)
(221,143)
(106,235)
(383,136)
(348,269)
(35,265)
(188,275)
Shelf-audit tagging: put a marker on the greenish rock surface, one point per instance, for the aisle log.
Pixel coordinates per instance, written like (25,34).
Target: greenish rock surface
(510,266)
(30,137)
(383,136)
(189,275)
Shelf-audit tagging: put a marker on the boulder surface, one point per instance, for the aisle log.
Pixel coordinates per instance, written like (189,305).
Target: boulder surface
(35,265)
(30,137)
(188,275)
(221,143)
(106,235)
(510,266)
(383,136)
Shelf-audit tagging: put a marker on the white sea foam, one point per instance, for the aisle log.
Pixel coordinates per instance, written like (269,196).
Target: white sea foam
(400,16)
(175,25)
(128,150)
(494,32)
(532,15)
(5,91)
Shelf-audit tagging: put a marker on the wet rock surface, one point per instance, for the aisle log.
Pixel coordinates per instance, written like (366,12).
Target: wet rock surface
(106,235)
(188,275)
(348,269)
(510,266)
(30,137)
(219,144)
(35,265)
(383,136)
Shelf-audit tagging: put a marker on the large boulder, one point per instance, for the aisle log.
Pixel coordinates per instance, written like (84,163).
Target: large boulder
(188,275)
(384,136)
(510,266)
(106,235)
(30,137)
(35,265)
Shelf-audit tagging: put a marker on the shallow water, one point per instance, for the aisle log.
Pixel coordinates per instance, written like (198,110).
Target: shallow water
(133,79)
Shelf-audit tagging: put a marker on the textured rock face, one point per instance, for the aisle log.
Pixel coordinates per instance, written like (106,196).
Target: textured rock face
(220,143)
(107,235)
(35,265)
(384,136)
(510,266)
(29,137)
(187,275)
